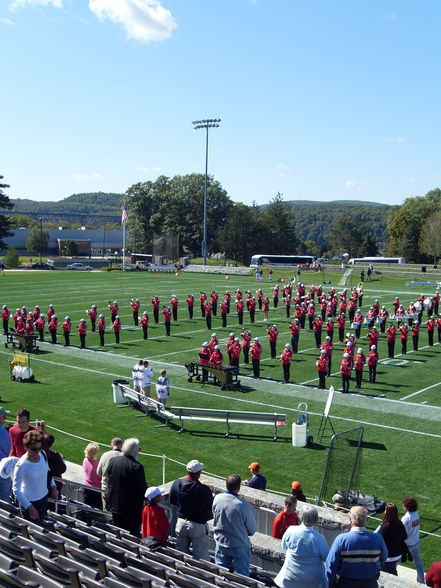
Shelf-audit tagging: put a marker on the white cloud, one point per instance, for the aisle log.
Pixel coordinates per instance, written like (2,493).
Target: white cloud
(93,176)
(23,3)
(141,168)
(143,20)
(410,180)
(392,16)
(7,21)
(350,184)
(283,170)
(155,168)
(401,139)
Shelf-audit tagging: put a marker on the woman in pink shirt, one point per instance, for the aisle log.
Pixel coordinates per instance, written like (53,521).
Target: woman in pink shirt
(91,478)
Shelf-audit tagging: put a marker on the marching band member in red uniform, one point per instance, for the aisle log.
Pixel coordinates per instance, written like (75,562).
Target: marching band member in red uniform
(167,316)
(246,336)
(39,325)
(92,316)
(415,334)
(155,302)
(430,330)
(372,363)
(204,359)
(66,331)
(101,328)
(273,333)
(341,327)
(359,362)
(82,329)
(190,305)
(134,303)
(328,346)
(214,299)
(50,312)
(145,324)
(235,353)
(5,317)
(252,309)
(53,324)
(294,328)
(174,305)
(256,354)
(391,332)
(286,363)
(322,368)
(317,326)
(113,306)
(36,312)
(217,358)
(345,370)
(203,300)
(404,332)
(117,328)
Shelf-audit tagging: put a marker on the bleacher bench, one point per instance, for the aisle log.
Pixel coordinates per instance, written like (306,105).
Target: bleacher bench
(148,405)
(229,417)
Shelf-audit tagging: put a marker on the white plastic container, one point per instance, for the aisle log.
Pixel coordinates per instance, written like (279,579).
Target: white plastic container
(118,397)
(299,435)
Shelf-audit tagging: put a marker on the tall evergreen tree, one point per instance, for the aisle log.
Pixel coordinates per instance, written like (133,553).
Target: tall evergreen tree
(5,204)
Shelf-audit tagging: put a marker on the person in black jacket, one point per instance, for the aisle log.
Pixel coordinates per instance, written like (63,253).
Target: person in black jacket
(394,534)
(127,486)
(194,502)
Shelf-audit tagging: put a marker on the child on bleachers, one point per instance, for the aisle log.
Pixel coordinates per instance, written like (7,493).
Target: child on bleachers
(154,520)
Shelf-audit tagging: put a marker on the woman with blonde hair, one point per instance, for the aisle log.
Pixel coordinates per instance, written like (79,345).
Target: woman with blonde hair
(91,478)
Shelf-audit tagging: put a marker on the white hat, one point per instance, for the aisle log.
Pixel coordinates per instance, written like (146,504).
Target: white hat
(117,316)
(236,339)
(373,347)
(287,346)
(216,347)
(152,492)
(67,318)
(194,466)
(328,337)
(214,335)
(323,351)
(274,326)
(4,306)
(82,320)
(359,350)
(257,339)
(7,465)
(345,355)
(205,344)
(145,312)
(101,316)
(231,334)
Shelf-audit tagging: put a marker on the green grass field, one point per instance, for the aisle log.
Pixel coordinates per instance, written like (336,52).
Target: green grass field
(401,413)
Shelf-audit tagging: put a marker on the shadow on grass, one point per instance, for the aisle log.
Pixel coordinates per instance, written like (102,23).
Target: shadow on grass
(245,437)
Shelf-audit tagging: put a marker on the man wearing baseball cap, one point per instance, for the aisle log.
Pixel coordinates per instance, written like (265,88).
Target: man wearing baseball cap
(5,448)
(193,501)
(296,490)
(258,481)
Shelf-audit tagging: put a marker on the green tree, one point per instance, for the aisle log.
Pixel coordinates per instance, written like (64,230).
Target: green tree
(11,258)
(368,247)
(430,238)
(70,248)
(346,236)
(280,236)
(5,204)
(33,241)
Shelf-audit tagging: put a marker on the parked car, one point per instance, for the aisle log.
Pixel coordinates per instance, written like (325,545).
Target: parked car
(337,258)
(322,260)
(79,266)
(41,265)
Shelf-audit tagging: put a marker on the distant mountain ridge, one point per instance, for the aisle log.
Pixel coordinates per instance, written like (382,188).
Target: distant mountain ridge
(106,203)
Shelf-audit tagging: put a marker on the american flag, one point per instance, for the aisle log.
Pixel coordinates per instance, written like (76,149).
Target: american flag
(124,216)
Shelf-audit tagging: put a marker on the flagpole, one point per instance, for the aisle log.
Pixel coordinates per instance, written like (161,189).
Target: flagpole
(124,246)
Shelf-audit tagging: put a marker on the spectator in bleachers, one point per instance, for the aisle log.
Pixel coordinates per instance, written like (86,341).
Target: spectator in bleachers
(258,480)
(306,551)
(234,522)
(411,522)
(127,487)
(194,502)
(30,484)
(433,576)
(5,448)
(154,520)
(91,478)
(19,430)
(286,518)
(296,490)
(56,462)
(103,465)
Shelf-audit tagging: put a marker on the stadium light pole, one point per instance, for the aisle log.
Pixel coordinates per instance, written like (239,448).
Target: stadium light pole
(206,124)
(41,236)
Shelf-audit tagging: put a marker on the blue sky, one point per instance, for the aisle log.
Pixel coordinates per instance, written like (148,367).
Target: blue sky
(319,100)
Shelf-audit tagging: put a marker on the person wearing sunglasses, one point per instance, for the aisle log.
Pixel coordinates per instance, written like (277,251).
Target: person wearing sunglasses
(30,484)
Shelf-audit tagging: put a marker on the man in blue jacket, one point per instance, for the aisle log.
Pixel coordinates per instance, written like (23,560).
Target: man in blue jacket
(355,557)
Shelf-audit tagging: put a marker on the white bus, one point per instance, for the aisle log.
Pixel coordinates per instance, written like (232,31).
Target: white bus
(376,260)
(281,260)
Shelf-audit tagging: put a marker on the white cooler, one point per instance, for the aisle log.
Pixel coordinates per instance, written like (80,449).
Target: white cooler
(299,433)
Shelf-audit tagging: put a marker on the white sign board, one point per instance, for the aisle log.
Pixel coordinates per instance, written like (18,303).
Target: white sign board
(329,401)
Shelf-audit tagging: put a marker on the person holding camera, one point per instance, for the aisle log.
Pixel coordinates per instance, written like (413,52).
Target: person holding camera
(19,430)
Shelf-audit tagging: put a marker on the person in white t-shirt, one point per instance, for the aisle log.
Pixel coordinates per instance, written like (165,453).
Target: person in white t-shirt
(411,522)
(162,387)
(147,374)
(137,370)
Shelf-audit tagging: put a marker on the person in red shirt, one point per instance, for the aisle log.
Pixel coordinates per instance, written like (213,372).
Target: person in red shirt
(240,307)
(224,311)
(117,328)
(415,334)
(345,370)
(404,332)
(286,363)
(5,317)
(438,328)
(436,299)
(229,344)
(92,316)
(17,315)
(39,325)
(217,358)
(287,301)
(252,309)
(329,348)
(227,300)
(66,331)
(154,520)
(330,327)
(246,336)
(134,303)
(235,353)
(430,330)
(391,332)
(203,300)
(82,328)
(273,333)
(208,311)
(155,302)
(19,430)
(433,575)
(286,518)
(214,298)
(20,330)
(372,363)
(276,296)
(256,354)
(167,316)
(259,298)
(190,305)
(36,312)
(352,307)
(53,328)
(213,342)
(204,359)
(101,329)
(373,336)
(113,306)
(322,368)
(317,325)
(265,308)
(311,311)
(174,304)
(341,327)
(359,362)
(382,317)
(30,326)
(294,328)
(145,324)
(358,320)
(50,312)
